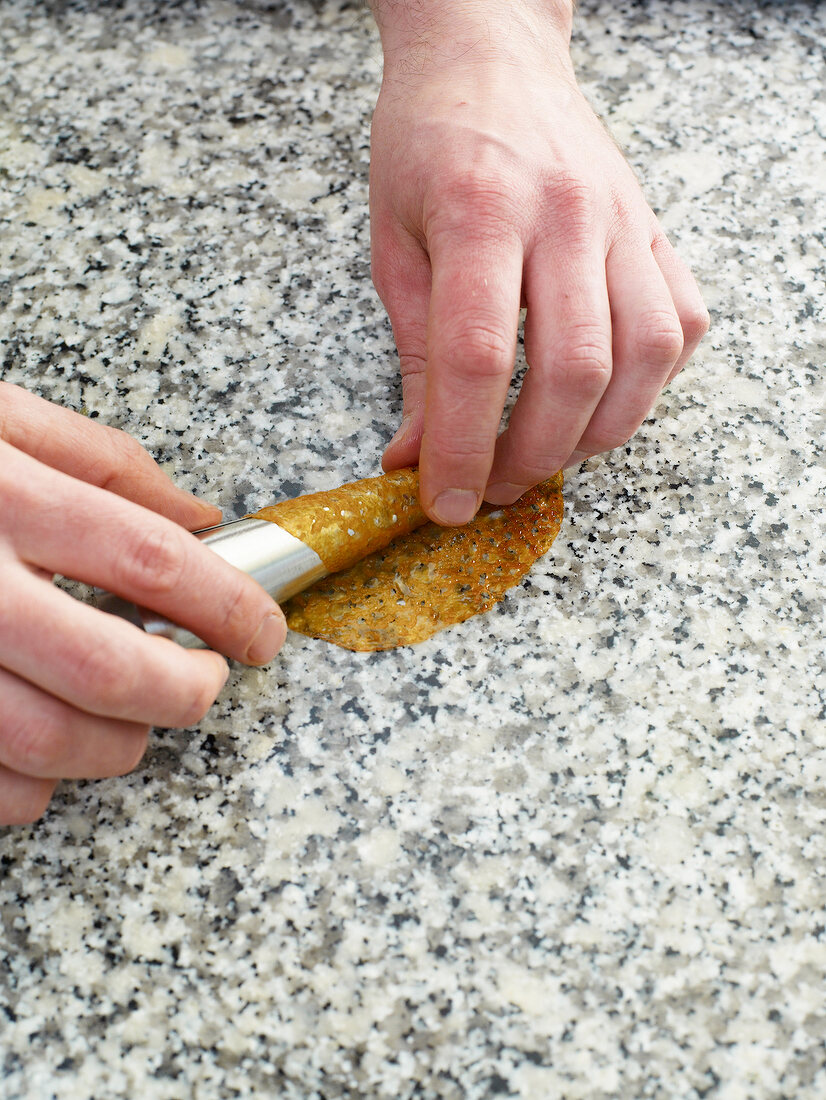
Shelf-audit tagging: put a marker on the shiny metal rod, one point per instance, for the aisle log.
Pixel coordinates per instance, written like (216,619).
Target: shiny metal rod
(279,562)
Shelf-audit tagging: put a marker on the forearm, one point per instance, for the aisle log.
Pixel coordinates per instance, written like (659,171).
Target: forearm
(419,34)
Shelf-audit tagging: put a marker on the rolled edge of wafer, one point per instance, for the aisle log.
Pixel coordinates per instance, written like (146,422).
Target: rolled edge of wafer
(346,524)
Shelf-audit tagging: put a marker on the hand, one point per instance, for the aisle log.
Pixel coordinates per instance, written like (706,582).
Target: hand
(79,688)
(494,185)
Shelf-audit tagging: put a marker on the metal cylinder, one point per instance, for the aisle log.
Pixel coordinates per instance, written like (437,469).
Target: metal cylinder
(279,562)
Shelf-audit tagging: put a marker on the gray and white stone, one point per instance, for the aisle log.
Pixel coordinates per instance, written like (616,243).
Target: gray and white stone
(571,848)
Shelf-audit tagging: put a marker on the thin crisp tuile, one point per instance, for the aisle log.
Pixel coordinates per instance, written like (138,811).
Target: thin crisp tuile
(430,578)
(346,524)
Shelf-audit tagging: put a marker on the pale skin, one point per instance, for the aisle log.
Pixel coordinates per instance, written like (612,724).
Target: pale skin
(79,688)
(493,186)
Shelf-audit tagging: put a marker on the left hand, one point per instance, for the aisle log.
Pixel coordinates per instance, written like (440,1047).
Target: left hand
(79,688)
(493,184)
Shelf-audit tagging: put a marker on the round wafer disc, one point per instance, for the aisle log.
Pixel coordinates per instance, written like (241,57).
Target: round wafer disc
(431,577)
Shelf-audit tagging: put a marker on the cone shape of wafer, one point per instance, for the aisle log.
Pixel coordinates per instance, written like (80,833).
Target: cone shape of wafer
(396,578)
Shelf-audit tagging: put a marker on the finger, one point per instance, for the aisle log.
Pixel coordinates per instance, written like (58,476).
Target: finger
(685,295)
(648,341)
(401,274)
(576,458)
(568,347)
(474,313)
(97,454)
(99,663)
(23,799)
(114,544)
(42,736)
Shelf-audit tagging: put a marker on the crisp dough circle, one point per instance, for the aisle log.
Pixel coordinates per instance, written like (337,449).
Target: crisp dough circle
(430,578)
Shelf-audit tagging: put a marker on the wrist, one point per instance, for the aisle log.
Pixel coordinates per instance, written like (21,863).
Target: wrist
(434,35)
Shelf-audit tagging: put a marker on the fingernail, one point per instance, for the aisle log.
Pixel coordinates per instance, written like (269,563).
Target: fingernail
(403,429)
(576,457)
(268,640)
(504,492)
(454,507)
(224,670)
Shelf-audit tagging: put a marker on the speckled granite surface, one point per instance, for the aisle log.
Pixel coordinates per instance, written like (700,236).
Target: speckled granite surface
(571,849)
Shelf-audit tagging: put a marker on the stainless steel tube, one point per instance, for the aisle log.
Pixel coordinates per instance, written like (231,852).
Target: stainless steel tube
(279,562)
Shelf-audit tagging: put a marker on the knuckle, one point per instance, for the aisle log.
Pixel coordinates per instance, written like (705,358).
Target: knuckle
(659,339)
(474,188)
(583,366)
(126,454)
(573,205)
(99,675)
(412,362)
(34,744)
(661,246)
(154,563)
(476,200)
(624,210)
(454,447)
(536,468)
(237,609)
(479,348)
(695,323)
(127,447)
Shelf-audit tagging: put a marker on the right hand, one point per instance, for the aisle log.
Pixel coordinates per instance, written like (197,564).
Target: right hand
(493,184)
(79,689)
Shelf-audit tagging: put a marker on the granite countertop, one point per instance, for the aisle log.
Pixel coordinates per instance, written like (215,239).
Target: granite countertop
(572,848)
